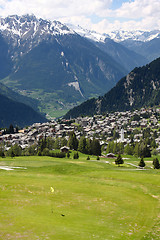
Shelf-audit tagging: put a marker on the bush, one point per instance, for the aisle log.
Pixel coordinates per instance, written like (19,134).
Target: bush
(119,160)
(88,158)
(76,155)
(142,163)
(45,152)
(2,153)
(57,154)
(156,163)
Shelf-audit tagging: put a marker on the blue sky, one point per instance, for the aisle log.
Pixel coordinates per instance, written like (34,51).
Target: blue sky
(99,15)
(118,3)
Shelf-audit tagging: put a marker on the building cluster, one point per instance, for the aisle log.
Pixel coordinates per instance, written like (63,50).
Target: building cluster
(118,126)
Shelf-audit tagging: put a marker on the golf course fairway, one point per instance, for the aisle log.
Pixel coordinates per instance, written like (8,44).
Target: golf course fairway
(66,199)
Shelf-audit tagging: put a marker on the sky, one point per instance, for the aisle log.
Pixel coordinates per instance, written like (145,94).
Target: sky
(100,15)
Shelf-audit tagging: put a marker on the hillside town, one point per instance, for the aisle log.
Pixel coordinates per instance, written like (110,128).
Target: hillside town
(118,127)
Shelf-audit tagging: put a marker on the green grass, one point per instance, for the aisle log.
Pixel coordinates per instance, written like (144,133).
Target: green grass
(99,200)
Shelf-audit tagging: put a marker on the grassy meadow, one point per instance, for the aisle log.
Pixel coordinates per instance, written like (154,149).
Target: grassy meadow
(91,199)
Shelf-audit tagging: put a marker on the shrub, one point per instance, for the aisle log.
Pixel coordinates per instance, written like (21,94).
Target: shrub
(57,154)
(119,160)
(156,163)
(142,163)
(76,155)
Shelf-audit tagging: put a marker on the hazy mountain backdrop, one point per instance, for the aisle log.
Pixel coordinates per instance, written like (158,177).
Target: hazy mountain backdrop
(61,66)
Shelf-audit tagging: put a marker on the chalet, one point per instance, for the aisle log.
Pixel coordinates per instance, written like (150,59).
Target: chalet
(64,149)
(110,155)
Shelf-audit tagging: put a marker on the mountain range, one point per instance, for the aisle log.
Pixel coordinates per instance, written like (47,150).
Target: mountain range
(59,66)
(140,88)
(48,61)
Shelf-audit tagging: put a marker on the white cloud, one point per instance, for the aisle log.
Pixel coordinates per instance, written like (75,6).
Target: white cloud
(139,9)
(54,8)
(137,14)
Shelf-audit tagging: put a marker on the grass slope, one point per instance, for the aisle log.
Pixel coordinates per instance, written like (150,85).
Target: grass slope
(92,200)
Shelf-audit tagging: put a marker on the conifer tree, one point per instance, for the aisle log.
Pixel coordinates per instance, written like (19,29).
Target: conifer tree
(72,142)
(156,163)
(119,160)
(142,163)
(88,146)
(82,145)
(96,147)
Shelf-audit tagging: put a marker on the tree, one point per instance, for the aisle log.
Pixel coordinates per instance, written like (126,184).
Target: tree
(76,155)
(11,129)
(154,152)
(115,148)
(50,143)
(72,141)
(145,151)
(2,153)
(88,146)
(115,134)
(142,163)
(119,160)
(136,150)
(31,150)
(17,150)
(63,142)
(128,149)
(153,143)
(57,143)
(42,144)
(45,152)
(82,145)
(68,154)
(10,152)
(156,163)
(96,147)
(110,147)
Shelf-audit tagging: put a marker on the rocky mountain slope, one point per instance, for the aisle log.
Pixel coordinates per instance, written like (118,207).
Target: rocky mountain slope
(54,64)
(139,47)
(60,66)
(140,88)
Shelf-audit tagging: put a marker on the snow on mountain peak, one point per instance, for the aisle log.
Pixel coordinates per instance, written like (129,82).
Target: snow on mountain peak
(138,35)
(27,31)
(117,35)
(21,25)
(92,35)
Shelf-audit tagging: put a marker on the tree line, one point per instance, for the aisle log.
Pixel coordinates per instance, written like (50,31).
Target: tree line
(47,145)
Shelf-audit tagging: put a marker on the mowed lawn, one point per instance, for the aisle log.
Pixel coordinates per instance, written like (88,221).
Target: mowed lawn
(91,200)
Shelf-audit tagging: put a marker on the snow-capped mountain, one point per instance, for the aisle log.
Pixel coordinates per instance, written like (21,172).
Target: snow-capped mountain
(132,48)
(91,35)
(62,65)
(143,36)
(117,36)
(27,31)
(52,63)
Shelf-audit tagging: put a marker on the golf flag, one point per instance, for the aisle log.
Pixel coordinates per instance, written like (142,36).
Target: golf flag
(51,189)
